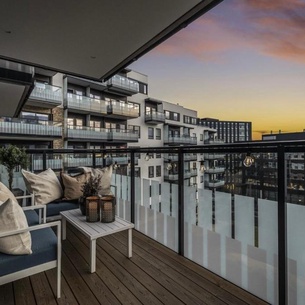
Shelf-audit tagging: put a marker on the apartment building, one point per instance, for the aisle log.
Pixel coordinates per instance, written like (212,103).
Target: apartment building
(230,131)
(294,170)
(64,111)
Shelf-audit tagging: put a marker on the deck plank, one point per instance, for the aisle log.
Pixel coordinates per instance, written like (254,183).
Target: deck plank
(188,266)
(154,275)
(132,282)
(7,294)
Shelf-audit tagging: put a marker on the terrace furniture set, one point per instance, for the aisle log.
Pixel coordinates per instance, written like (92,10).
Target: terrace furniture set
(28,245)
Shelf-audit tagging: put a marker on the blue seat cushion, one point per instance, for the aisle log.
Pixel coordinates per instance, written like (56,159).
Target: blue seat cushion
(44,247)
(31,217)
(55,207)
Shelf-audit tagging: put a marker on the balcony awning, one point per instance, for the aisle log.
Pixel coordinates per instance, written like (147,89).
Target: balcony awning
(91,39)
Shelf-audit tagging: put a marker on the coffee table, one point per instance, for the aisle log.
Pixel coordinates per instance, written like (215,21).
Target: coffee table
(95,230)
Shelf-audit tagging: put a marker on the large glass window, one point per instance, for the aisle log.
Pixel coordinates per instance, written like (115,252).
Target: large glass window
(158,133)
(151,172)
(150,132)
(158,171)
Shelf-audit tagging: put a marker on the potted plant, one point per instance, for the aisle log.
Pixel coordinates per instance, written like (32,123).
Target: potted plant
(90,188)
(10,157)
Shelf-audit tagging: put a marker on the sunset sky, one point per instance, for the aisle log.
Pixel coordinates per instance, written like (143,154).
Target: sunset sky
(243,60)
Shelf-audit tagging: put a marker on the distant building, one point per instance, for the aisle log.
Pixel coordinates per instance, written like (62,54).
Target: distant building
(295,169)
(230,131)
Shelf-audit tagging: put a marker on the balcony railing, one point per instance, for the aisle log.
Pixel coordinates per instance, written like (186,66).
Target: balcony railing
(123,110)
(215,170)
(123,85)
(249,231)
(124,135)
(180,140)
(213,156)
(174,157)
(29,127)
(46,94)
(214,183)
(84,132)
(86,104)
(155,117)
(213,141)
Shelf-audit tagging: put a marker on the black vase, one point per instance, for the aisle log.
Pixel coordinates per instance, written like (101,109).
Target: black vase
(82,205)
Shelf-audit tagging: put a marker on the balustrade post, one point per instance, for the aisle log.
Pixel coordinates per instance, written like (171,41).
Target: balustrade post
(282,227)
(94,159)
(132,186)
(44,160)
(181,202)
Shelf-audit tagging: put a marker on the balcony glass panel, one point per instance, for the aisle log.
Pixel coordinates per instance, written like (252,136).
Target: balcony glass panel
(84,132)
(86,103)
(124,109)
(124,135)
(30,127)
(155,116)
(47,92)
(124,82)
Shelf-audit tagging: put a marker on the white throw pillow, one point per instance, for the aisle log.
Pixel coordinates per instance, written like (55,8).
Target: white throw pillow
(45,185)
(106,173)
(5,193)
(12,218)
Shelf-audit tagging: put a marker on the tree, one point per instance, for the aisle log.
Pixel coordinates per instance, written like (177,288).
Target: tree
(11,157)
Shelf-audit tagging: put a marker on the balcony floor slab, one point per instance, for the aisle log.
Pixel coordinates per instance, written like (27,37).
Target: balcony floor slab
(154,275)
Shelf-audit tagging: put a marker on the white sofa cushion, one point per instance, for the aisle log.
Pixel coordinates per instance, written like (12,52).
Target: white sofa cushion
(12,218)
(45,185)
(5,193)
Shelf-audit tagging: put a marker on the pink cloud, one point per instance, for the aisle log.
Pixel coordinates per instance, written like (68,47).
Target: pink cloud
(275,28)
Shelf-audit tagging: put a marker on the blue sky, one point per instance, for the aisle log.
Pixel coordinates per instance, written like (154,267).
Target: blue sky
(243,60)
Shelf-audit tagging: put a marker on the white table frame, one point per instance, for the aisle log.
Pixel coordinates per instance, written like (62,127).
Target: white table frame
(95,230)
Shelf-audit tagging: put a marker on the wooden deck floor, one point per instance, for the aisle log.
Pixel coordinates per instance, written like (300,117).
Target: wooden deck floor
(154,275)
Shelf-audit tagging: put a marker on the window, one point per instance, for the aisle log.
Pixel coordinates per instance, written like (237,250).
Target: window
(158,133)
(150,133)
(136,129)
(201,137)
(95,124)
(158,155)
(137,172)
(158,171)
(150,171)
(167,114)
(176,116)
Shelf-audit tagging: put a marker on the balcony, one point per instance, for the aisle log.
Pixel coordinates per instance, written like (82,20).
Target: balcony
(154,118)
(178,140)
(213,141)
(174,157)
(213,156)
(88,133)
(47,96)
(29,128)
(153,271)
(122,85)
(214,170)
(123,135)
(214,183)
(242,232)
(86,104)
(122,110)
(190,173)
(171,177)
